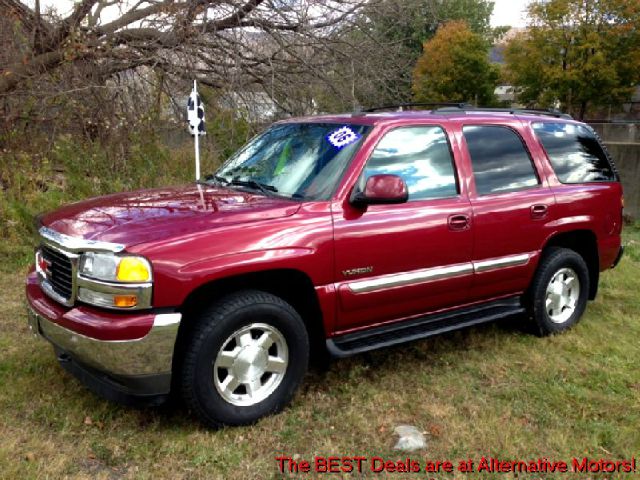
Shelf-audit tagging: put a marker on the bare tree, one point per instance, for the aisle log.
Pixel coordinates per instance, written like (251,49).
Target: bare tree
(306,56)
(214,40)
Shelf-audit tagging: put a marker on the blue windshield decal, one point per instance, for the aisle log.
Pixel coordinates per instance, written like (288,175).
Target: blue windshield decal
(342,137)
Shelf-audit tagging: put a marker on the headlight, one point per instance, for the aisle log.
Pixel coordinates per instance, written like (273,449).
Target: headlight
(101,266)
(114,268)
(114,281)
(133,269)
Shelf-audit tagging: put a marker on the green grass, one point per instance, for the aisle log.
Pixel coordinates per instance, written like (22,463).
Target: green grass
(494,390)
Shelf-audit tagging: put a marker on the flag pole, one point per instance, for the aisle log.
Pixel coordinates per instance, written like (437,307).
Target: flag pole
(197,143)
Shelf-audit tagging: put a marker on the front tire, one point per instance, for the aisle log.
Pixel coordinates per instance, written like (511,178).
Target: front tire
(244,359)
(560,290)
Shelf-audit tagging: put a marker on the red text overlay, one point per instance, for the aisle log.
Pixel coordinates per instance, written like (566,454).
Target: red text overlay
(360,464)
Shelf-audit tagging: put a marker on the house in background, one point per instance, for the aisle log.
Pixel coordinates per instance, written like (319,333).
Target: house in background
(505,94)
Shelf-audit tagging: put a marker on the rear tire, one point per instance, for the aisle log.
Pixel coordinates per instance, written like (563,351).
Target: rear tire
(559,291)
(244,359)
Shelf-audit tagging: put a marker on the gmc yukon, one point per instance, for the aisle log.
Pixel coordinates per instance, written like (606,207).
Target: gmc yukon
(335,233)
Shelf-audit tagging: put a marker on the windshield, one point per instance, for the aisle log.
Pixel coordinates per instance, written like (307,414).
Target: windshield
(295,160)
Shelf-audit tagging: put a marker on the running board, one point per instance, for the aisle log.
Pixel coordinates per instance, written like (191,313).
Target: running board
(422,327)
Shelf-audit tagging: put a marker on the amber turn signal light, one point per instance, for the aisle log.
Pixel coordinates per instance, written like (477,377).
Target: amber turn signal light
(124,301)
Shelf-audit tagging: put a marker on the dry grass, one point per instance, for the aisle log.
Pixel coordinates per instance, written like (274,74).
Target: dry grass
(494,390)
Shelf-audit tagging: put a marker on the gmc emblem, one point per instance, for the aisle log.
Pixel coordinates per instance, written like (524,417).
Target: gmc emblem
(44,264)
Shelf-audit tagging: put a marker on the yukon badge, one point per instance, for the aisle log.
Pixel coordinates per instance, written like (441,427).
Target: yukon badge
(357,271)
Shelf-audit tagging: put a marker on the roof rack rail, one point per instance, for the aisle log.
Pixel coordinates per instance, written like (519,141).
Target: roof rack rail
(443,107)
(514,111)
(401,106)
(548,111)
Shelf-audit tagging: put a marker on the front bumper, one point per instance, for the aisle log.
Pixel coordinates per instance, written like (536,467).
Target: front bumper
(94,346)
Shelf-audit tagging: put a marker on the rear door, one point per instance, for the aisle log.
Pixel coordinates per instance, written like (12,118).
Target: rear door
(512,204)
(397,261)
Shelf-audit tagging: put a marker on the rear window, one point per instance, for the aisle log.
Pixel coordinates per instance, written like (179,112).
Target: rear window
(575,153)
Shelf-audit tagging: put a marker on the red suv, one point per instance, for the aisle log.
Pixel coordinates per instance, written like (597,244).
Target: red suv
(339,234)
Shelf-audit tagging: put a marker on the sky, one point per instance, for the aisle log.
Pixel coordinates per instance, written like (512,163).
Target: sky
(509,12)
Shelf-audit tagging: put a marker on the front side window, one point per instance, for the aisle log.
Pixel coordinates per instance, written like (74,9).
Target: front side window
(295,160)
(574,152)
(499,159)
(421,156)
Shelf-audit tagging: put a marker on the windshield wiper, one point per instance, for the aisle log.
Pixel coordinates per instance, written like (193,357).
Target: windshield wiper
(268,190)
(215,178)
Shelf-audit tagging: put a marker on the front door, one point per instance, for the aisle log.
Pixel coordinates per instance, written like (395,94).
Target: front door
(397,261)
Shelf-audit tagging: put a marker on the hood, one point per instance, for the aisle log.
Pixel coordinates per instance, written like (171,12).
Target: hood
(156,214)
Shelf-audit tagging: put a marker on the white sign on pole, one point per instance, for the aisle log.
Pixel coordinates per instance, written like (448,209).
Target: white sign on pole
(195,117)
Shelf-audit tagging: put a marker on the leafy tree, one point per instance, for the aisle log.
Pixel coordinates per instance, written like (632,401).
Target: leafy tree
(412,22)
(390,34)
(455,66)
(581,53)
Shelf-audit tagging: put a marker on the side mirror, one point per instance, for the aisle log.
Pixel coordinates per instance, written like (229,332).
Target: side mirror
(382,189)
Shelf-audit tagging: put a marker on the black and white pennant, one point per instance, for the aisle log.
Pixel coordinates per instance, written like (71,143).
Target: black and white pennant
(195,113)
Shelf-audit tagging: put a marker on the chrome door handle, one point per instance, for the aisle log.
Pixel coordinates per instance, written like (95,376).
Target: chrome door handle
(539,211)
(459,222)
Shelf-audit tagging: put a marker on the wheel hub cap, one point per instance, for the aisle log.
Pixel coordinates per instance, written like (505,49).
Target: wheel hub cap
(562,295)
(251,364)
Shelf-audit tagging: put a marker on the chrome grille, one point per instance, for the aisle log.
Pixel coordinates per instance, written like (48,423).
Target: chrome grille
(60,272)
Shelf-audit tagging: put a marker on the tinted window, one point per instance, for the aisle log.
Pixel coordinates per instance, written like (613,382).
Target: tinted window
(574,152)
(421,156)
(500,161)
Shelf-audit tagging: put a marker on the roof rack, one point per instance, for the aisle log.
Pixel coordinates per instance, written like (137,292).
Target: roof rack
(401,106)
(444,107)
(514,111)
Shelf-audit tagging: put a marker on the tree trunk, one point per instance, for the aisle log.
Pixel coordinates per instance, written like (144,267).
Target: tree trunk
(583,110)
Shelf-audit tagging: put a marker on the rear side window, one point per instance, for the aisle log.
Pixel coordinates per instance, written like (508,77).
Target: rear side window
(421,156)
(574,152)
(499,159)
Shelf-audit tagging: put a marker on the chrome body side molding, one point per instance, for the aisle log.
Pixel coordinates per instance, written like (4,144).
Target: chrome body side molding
(410,278)
(501,262)
(437,273)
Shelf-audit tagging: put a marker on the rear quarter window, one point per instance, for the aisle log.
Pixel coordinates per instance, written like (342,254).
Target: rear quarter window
(575,153)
